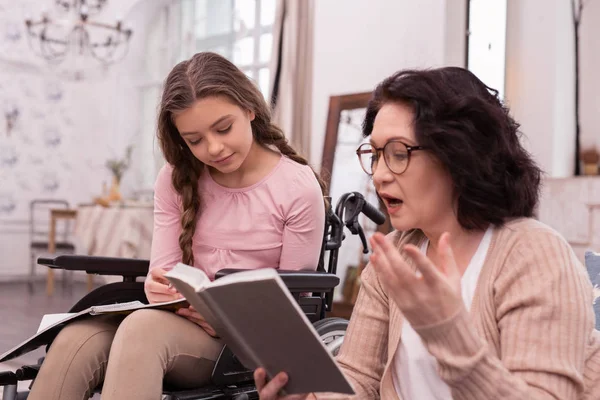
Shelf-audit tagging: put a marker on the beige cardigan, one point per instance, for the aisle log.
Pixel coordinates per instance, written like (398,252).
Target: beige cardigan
(529,335)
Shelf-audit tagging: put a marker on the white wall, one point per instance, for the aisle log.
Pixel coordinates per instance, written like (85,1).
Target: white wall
(540,79)
(358,43)
(95,118)
(590,75)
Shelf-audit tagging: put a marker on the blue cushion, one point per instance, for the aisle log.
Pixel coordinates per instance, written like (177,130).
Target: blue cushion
(592,263)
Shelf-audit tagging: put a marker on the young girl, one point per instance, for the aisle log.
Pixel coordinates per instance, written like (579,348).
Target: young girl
(233,194)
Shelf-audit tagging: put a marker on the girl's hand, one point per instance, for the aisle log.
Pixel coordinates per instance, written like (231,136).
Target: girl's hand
(158,289)
(193,315)
(428,295)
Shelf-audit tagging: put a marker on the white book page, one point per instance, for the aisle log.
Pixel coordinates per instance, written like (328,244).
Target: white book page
(116,307)
(247,276)
(51,319)
(194,277)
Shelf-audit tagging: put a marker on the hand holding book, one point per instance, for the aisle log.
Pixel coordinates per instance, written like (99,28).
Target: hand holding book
(194,316)
(260,321)
(272,389)
(158,289)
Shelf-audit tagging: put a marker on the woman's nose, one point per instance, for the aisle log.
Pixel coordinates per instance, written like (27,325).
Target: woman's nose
(381,173)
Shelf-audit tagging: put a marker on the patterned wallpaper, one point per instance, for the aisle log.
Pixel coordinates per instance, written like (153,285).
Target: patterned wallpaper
(59,132)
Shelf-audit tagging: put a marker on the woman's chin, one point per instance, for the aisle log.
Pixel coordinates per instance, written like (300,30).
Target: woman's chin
(401,224)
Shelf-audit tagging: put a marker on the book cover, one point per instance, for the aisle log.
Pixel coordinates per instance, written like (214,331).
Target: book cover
(257,317)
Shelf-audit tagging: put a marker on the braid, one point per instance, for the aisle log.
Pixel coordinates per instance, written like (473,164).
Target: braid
(185,181)
(207,75)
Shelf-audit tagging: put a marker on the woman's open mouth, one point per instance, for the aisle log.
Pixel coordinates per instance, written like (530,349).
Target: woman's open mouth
(392,203)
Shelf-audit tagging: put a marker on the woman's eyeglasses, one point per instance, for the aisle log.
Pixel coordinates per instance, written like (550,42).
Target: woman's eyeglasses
(395,154)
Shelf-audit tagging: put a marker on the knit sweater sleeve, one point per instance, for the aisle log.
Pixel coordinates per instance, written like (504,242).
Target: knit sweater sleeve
(544,317)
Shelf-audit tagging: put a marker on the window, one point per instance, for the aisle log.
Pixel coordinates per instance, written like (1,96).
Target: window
(486,45)
(240,30)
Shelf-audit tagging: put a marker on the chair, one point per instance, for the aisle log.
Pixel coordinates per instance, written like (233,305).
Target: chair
(39,222)
(230,379)
(592,263)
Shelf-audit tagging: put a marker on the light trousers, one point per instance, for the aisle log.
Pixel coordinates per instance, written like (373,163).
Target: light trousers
(131,356)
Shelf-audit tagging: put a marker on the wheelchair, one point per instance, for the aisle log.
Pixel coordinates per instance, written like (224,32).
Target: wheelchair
(313,290)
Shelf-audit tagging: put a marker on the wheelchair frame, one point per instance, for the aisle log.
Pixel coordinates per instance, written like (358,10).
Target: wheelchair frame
(230,379)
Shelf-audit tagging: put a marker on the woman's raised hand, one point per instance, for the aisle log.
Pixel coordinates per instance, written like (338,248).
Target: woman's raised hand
(426,293)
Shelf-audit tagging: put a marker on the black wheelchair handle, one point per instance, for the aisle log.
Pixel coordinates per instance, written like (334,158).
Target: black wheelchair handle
(373,213)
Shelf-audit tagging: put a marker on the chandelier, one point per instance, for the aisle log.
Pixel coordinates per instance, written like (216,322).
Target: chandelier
(56,38)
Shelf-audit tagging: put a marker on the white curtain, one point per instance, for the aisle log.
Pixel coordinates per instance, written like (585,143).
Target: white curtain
(291,71)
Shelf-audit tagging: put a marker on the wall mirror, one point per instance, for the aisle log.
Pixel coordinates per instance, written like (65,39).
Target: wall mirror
(342,173)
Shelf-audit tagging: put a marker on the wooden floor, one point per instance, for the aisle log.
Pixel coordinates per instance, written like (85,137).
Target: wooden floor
(22,311)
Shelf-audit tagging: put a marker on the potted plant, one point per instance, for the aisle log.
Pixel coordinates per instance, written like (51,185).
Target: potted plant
(118,167)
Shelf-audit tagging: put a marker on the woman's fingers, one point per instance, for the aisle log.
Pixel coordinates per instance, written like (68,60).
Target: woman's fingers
(260,379)
(269,391)
(423,264)
(389,261)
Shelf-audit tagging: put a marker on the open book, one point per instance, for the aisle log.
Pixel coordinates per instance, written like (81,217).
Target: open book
(51,324)
(257,317)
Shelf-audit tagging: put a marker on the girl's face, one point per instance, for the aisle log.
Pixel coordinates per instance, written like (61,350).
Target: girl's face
(218,132)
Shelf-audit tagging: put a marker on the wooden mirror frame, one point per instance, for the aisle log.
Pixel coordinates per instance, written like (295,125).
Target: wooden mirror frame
(337,104)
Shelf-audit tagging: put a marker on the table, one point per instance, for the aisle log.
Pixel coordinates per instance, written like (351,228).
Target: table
(118,231)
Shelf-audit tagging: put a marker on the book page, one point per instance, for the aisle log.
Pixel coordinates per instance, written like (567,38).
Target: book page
(108,308)
(194,277)
(131,306)
(247,276)
(51,319)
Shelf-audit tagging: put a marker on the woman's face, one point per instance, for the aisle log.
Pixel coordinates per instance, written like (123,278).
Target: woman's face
(217,132)
(422,196)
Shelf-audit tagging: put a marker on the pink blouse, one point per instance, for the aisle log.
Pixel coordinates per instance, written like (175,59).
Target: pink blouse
(276,223)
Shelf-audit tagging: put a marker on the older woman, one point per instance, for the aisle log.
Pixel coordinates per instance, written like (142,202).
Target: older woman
(470,298)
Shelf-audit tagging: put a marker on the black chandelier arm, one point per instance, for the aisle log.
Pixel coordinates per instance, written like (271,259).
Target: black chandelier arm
(117,27)
(46,51)
(111,45)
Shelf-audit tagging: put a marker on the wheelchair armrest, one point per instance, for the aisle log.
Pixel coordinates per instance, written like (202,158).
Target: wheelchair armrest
(303,280)
(98,265)
(8,378)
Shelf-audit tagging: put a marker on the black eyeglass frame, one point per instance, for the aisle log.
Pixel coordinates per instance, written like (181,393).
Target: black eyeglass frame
(381,151)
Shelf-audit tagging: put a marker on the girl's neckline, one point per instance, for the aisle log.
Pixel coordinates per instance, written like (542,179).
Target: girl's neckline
(245,188)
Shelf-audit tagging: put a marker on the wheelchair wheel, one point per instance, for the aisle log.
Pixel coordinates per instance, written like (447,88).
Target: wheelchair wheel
(332,332)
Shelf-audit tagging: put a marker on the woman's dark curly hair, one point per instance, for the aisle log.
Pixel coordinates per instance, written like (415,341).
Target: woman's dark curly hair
(466,127)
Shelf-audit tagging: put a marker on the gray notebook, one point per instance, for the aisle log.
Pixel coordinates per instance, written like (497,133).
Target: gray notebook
(257,317)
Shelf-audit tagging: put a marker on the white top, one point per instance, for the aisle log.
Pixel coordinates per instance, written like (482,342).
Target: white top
(415,375)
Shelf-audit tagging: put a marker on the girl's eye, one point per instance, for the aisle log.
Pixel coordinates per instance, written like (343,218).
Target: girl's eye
(225,130)
(195,142)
